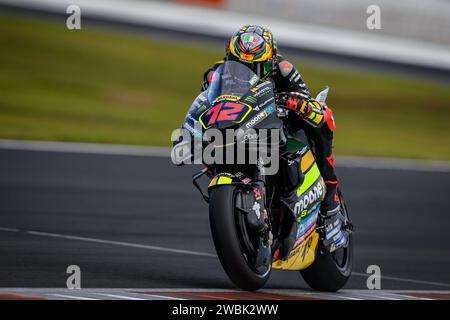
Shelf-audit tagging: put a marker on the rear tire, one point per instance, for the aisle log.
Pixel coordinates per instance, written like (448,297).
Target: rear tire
(222,218)
(331,271)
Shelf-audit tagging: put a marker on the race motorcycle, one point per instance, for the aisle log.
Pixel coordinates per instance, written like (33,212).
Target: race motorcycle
(262,222)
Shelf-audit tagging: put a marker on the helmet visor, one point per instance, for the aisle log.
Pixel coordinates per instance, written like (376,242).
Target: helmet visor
(262,69)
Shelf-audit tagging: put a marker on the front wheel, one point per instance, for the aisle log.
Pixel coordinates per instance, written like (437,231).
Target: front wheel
(331,271)
(235,244)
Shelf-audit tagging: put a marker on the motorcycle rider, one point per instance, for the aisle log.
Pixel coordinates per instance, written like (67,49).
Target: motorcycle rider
(255,47)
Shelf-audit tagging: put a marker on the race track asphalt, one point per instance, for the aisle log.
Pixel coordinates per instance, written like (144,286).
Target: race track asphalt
(401,217)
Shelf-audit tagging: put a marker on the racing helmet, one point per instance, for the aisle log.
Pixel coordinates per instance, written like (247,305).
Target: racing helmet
(254,46)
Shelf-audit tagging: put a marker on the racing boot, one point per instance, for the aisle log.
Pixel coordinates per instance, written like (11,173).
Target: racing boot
(335,224)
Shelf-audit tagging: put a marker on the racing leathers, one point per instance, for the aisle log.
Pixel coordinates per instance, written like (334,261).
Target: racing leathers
(319,126)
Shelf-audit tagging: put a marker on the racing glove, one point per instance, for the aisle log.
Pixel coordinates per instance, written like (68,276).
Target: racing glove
(307,108)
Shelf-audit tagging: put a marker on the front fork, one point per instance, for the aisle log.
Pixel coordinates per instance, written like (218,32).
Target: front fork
(253,201)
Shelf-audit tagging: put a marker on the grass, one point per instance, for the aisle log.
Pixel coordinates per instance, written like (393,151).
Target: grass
(93,85)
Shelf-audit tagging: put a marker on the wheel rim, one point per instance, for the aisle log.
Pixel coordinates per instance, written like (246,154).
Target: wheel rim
(341,258)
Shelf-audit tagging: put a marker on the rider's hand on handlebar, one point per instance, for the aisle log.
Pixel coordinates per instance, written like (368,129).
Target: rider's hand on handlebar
(296,102)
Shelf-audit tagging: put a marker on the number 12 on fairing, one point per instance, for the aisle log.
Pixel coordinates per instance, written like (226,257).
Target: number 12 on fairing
(224,111)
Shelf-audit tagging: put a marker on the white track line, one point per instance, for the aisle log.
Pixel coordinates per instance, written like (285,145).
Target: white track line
(9,229)
(149,290)
(89,148)
(120,243)
(70,297)
(361,294)
(420,291)
(195,253)
(164,152)
(393,164)
(380,297)
(350,298)
(118,296)
(385,297)
(146,293)
(405,296)
(161,297)
(405,280)
(336,296)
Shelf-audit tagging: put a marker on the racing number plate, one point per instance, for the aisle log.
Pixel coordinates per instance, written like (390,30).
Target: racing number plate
(224,111)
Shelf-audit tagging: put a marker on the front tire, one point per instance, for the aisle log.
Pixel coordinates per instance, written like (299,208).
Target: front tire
(331,271)
(224,219)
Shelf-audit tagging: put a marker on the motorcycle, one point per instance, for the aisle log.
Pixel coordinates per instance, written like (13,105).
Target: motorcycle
(260,222)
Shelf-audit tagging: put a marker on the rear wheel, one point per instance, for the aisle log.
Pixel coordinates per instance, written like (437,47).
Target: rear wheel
(236,244)
(331,271)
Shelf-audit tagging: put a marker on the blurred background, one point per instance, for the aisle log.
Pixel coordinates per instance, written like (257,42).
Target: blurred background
(128,76)
(133,69)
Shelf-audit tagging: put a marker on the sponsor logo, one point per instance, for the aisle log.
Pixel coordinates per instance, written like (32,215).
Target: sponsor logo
(299,241)
(303,151)
(259,86)
(241,177)
(306,248)
(251,136)
(305,212)
(226,174)
(254,80)
(309,198)
(267,102)
(190,117)
(259,117)
(200,109)
(263,91)
(256,207)
(257,193)
(192,130)
(303,248)
(188,127)
(251,99)
(215,146)
(227,97)
(304,226)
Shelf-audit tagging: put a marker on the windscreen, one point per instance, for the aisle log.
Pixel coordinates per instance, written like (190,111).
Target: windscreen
(231,78)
